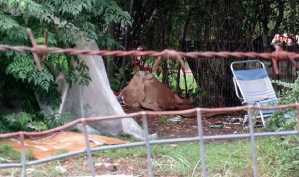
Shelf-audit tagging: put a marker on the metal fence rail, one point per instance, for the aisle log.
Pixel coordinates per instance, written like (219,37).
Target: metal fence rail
(24,163)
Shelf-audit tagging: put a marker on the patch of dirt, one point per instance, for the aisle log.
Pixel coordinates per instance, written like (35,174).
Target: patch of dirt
(187,126)
(217,125)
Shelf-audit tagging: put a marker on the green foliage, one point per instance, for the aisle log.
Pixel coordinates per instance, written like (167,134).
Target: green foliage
(55,120)
(58,18)
(290,94)
(283,120)
(74,70)
(7,153)
(30,122)
(286,119)
(63,20)
(80,74)
(119,79)
(21,121)
(282,156)
(23,68)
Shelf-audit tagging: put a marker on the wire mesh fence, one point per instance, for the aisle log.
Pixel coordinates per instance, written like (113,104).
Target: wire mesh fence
(147,143)
(274,57)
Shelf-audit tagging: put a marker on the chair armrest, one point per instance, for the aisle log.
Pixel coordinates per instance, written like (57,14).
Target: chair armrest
(237,90)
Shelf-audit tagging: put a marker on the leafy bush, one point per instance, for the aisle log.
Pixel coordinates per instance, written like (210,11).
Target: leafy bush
(23,68)
(29,122)
(288,120)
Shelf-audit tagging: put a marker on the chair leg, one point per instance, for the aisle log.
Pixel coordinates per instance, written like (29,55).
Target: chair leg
(245,120)
(262,118)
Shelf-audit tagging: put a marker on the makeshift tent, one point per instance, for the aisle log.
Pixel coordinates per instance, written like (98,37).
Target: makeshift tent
(97,98)
(145,91)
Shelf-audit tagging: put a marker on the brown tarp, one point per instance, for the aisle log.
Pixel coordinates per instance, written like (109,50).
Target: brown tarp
(61,142)
(145,91)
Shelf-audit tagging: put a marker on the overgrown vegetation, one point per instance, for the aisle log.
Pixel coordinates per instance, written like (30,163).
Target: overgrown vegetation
(30,122)
(287,120)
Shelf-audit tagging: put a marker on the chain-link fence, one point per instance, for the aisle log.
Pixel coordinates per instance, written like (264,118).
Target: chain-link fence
(200,138)
(274,57)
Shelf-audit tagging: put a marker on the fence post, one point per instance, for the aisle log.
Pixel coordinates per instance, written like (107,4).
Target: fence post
(252,141)
(23,155)
(148,146)
(201,143)
(297,108)
(90,161)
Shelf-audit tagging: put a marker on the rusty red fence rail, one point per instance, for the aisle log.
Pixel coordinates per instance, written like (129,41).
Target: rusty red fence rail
(148,113)
(274,57)
(168,53)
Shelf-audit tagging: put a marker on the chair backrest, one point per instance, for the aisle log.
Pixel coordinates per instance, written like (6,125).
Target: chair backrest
(253,84)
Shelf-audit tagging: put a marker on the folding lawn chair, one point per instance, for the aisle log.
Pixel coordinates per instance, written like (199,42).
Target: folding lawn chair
(253,86)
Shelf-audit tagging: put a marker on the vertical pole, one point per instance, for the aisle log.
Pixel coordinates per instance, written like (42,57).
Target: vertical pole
(148,146)
(252,142)
(201,143)
(297,107)
(23,155)
(90,161)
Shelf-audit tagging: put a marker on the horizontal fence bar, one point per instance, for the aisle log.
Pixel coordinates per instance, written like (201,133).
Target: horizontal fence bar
(167,53)
(152,142)
(148,113)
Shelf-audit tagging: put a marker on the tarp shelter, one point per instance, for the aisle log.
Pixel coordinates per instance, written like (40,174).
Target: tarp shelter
(145,91)
(97,99)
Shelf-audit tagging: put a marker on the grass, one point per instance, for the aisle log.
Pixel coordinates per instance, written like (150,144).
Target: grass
(224,159)
(9,154)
